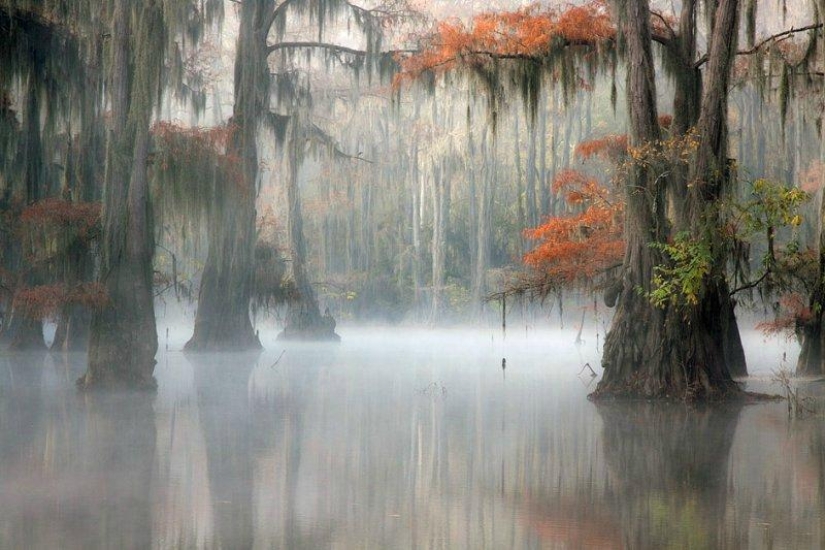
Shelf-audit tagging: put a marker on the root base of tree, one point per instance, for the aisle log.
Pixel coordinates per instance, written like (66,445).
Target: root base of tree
(107,383)
(246,342)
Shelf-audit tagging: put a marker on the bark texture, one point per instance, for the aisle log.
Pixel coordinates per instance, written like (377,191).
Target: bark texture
(123,339)
(810,362)
(303,317)
(222,321)
(678,350)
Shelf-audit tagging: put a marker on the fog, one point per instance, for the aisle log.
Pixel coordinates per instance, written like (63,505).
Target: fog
(340,274)
(399,438)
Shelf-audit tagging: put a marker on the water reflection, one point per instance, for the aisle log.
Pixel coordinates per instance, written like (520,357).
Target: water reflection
(394,442)
(221,383)
(668,467)
(77,472)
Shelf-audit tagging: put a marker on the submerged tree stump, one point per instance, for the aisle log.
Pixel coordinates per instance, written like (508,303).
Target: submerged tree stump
(305,322)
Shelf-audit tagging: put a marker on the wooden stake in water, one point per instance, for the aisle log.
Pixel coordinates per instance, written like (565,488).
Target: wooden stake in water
(503,315)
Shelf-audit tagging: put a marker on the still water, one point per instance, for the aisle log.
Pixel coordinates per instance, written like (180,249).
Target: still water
(399,439)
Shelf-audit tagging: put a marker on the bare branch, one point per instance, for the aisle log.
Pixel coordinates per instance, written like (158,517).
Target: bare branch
(761,44)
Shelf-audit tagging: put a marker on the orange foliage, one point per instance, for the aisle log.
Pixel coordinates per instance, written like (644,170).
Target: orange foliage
(576,248)
(531,32)
(662,25)
(811,179)
(39,302)
(215,138)
(794,311)
(82,217)
(178,143)
(609,147)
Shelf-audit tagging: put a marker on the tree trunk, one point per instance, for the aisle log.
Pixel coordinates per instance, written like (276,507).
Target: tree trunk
(303,318)
(123,338)
(687,109)
(21,333)
(522,219)
(82,183)
(417,192)
(439,241)
(222,321)
(674,351)
(530,188)
(810,362)
(543,191)
(484,221)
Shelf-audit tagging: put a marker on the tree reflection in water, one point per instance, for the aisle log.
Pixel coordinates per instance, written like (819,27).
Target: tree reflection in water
(80,473)
(668,465)
(390,443)
(221,384)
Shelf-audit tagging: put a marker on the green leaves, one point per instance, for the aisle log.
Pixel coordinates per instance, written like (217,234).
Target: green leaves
(772,205)
(678,281)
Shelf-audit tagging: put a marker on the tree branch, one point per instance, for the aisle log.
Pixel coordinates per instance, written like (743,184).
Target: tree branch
(752,284)
(315,45)
(762,43)
(665,22)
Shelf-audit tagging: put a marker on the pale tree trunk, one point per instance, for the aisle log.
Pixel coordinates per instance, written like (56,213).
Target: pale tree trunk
(222,321)
(544,191)
(473,208)
(123,338)
(438,244)
(303,318)
(416,191)
(484,220)
(530,188)
(520,195)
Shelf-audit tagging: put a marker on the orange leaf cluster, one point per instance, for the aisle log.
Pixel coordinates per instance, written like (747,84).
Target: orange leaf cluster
(82,217)
(44,301)
(794,312)
(530,32)
(214,138)
(580,189)
(610,147)
(576,248)
(662,25)
(810,180)
(195,144)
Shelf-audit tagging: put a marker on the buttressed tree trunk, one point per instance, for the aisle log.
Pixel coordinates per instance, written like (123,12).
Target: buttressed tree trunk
(675,350)
(222,320)
(810,360)
(686,111)
(303,317)
(123,338)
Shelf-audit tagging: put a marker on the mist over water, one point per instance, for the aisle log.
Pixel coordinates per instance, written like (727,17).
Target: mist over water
(399,438)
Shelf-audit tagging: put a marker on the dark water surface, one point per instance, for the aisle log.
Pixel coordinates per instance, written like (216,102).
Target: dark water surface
(398,439)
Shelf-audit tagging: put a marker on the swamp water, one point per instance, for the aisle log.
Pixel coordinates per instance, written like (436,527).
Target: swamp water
(399,439)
